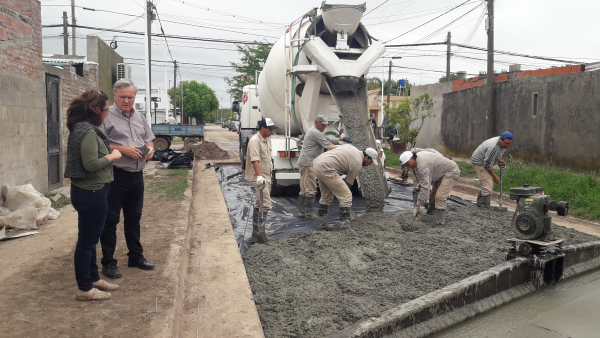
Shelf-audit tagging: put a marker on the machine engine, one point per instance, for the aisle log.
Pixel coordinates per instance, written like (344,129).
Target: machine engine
(531,220)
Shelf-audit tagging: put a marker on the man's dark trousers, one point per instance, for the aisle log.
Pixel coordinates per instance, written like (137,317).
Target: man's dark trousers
(127,193)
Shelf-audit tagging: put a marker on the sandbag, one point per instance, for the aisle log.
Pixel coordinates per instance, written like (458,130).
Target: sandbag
(25,208)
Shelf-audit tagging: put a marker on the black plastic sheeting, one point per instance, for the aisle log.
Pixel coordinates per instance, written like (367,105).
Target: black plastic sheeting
(282,221)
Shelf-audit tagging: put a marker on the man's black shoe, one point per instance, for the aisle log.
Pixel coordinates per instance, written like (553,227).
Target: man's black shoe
(111,271)
(141,263)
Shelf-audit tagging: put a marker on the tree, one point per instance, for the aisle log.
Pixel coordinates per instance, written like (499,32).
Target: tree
(452,78)
(252,59)
(199,100)
(394,87)
(406,112)
(373,83)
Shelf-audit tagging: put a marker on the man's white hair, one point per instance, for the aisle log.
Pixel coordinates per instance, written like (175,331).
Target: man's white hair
(124,83)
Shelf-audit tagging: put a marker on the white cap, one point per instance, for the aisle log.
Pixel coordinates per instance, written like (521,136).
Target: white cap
(372,154)
(405,157)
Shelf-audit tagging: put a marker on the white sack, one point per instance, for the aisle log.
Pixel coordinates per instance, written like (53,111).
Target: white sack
(25,208)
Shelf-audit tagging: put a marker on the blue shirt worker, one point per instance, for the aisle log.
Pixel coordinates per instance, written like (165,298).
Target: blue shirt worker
(483,160)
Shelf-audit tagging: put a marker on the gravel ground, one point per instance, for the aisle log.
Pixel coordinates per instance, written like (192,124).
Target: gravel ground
(318,283)
(207,150)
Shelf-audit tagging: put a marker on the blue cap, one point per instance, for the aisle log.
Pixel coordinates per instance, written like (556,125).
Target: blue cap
(507,135)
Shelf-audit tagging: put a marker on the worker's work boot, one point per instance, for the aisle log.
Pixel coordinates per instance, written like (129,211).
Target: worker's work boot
(479,200)
(310,208)
(261,235)
(486,201)
(255,222)
(431,208)
(344,215)
(440,216)
(301,206)
(322,218)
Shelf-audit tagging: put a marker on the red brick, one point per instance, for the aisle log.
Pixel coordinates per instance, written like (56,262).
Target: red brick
(566,70)
(478,83)
(2,34)
(557,70)
(501,78)
(575,69)
(475,79)
(467,85)
(458,82)
(456,87)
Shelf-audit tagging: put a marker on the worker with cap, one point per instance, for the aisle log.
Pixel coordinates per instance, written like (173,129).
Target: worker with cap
(430,168)
(329,168)
(258,171)
(483,160)
(313,145)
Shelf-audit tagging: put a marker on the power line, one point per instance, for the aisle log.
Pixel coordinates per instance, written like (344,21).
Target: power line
(163,31)
(168,36)
(375,8)
(439,16)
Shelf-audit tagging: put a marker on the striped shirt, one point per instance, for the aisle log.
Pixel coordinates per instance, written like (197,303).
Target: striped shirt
(488,153)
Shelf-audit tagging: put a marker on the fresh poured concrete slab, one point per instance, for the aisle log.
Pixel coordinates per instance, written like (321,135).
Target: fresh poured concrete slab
(566,309)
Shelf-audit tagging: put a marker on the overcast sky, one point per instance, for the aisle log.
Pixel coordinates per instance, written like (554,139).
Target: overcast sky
(551,28)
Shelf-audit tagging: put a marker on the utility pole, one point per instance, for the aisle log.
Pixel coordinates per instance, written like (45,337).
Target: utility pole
(65,34)
(148,45)
(490,69)
(73,22)
(181,96)
(389,84)
(449,43)
(175,88)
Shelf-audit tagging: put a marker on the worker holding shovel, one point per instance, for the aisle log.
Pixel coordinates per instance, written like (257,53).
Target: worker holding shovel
(258,171)
(430,168)
(485,156)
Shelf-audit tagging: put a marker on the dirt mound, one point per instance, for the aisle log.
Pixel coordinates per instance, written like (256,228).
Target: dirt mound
(208,151)
(318,283)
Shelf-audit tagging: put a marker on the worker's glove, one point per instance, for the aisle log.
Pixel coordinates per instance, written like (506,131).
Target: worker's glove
(347,139)
(416,212)
(260,181)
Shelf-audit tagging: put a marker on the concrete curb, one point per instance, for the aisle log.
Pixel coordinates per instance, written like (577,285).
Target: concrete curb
(472,296)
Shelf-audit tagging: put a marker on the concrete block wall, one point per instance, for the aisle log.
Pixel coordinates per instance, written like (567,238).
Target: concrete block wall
(23,158)
(431,132)
(554,118)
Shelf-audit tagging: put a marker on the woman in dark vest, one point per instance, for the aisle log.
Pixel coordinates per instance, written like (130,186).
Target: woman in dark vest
(89,159)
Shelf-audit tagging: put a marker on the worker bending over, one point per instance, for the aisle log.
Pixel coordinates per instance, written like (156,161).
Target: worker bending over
(436,176)
(258,171)
(485,156)
(329,168)
(312,146)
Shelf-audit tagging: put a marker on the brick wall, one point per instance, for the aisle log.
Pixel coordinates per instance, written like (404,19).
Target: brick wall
(23,158)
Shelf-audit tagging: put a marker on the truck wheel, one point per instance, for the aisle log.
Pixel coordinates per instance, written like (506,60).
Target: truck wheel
(189,142)
(161,143)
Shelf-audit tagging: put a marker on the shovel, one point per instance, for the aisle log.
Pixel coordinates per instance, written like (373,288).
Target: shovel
(500,207)
(261,236)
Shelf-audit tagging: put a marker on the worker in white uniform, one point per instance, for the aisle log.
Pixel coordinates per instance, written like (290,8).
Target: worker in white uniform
(258,171)
(313,145)
(329,168)
(429,168)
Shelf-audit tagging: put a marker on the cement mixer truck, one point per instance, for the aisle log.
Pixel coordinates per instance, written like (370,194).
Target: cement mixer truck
(317,68)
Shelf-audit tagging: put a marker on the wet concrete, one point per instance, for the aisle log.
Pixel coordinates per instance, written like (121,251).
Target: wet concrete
(354,110)
(282,221)
(567,309)
(318,283)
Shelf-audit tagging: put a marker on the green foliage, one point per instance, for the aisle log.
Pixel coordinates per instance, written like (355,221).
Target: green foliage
(406,112)
(466,169)
(394,87)
(373,83)
(216,115)
(391,160)
(251,60)
(168,184)
(452,78)
(582,191)
(199,100)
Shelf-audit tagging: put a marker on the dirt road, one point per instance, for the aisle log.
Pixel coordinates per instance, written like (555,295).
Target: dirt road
(37,280)
(227,140)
